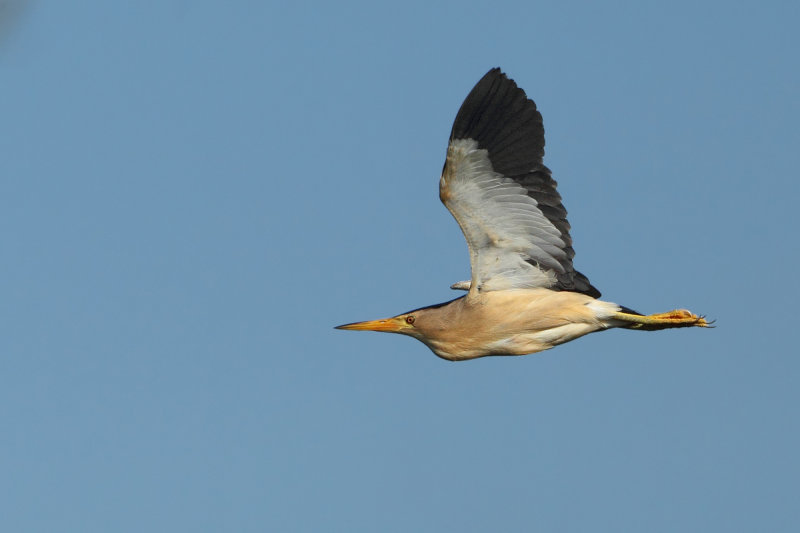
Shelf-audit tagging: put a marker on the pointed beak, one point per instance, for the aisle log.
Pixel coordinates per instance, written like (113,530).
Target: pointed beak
(389,325)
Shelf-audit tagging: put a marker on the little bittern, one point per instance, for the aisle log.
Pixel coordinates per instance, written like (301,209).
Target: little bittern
(524,295)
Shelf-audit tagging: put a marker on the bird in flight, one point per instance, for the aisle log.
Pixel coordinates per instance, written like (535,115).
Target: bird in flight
(524,295)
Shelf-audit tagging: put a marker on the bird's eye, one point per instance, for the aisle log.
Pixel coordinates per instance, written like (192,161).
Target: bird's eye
(410,319)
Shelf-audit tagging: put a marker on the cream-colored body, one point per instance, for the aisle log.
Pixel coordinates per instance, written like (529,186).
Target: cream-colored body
(517,322)
(510,322)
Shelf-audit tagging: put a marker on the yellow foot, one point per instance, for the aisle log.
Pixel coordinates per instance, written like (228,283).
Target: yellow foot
(677,318)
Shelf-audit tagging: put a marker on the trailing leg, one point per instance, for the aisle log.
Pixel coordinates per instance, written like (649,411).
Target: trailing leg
(677,318)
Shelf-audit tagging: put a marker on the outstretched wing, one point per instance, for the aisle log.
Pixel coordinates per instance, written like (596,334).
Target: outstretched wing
(502,196)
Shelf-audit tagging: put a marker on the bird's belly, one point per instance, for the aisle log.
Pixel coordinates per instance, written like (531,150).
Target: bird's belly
(561,334)
(537,341)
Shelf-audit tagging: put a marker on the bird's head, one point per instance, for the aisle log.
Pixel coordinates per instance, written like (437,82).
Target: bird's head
(424,324)
(405,324)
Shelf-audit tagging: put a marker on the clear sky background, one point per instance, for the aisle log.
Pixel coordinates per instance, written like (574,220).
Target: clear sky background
(193,193)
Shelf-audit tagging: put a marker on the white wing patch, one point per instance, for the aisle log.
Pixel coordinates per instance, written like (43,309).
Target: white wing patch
(503,226)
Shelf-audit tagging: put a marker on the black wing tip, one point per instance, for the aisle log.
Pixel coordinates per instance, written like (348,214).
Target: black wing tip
(482,102)
(494,73)
(504,121)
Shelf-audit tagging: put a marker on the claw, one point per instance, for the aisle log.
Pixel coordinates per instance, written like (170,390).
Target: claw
(707,323)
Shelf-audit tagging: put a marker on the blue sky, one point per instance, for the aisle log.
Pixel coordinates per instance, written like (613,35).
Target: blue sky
(192,194)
